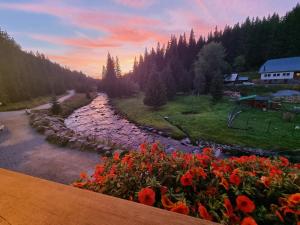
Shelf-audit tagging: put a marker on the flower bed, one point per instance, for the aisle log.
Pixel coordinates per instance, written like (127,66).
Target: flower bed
(247,190)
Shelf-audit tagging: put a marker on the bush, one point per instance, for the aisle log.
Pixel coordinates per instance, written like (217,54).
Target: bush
(244,190)
(55,106)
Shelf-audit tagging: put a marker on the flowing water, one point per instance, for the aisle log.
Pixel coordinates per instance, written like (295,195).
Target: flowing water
(99,120)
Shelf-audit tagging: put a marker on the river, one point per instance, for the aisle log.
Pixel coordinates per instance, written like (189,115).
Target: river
(99,120)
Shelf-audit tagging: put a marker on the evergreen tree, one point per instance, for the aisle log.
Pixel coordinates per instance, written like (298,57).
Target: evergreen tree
(217,86)
(239,63)
(169,82)
(155,95)
(55,106)
(118,69)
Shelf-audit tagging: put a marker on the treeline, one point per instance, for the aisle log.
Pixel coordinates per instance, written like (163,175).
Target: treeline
(113,83)
(247,46)
(26,75)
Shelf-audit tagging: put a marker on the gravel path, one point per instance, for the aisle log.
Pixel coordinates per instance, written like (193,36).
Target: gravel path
(24,150)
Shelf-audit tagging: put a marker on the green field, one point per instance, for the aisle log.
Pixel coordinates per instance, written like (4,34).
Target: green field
(201,119)
(75,102)
(25,104)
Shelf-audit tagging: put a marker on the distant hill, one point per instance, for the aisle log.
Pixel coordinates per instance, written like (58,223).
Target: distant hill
(26,75)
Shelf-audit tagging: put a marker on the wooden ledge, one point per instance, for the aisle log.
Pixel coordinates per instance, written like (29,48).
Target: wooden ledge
(26,200)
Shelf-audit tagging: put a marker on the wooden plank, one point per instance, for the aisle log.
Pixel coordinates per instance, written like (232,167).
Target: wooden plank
(26,200)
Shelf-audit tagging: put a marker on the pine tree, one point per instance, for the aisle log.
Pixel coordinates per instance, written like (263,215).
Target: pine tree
(55,106)
(217,86)
(155,95)
(169,82)
(118,69)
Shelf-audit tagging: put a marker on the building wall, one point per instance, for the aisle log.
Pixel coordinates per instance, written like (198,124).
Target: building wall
(277,76)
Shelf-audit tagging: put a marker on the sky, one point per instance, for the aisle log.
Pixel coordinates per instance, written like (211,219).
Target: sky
(79,33)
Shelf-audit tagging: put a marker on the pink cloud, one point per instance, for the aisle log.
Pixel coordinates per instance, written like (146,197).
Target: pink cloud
(136,3)
(80,42)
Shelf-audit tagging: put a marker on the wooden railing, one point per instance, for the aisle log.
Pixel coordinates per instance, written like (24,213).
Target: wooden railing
(26,200)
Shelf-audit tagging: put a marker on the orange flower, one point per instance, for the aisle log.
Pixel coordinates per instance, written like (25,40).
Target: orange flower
(186,179)
(266,181)
(146,196)
(207,151)
(180,207)
(199,172)
(284,161)
(204,213)
(154,148)
(83,175)
(116,156)
(166,202)
(224,183)
(248,221)
(294,199)
(245,204)
(235,179)
(143,148)
(228,207)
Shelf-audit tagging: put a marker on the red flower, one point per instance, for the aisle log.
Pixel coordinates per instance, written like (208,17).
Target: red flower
(166,202)
(83,176)
(207,151)
(245,204)
(279,216)
(116,156)
(228,207)
(143,148)
(203,213)
(235,179)
(186,179)
(146,196)
(180,207)
(224,183)
(266,181)
(294,199)
(284,161)
(154,148)
(248,221)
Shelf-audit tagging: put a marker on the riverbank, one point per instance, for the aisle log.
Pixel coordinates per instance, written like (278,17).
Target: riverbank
(99,121)
(26,151)
(25,104)
(206,124)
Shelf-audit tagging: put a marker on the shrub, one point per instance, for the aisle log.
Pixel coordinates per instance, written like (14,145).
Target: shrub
(55,106)
(244,190)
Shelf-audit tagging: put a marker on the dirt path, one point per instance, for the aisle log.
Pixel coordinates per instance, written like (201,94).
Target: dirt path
(24,150)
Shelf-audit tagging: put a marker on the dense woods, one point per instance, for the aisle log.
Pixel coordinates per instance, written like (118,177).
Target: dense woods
(113,83)
(247,46)
(26,75)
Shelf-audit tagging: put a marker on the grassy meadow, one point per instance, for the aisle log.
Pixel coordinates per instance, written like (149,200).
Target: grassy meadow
(200,119)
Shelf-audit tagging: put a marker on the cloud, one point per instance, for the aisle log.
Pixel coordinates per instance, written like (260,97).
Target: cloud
(136,3)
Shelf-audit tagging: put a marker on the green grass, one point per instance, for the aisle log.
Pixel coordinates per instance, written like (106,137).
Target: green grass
(25,104)
(76,101)
(200,119)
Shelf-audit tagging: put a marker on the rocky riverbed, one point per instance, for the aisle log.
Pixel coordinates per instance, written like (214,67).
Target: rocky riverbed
(99,120)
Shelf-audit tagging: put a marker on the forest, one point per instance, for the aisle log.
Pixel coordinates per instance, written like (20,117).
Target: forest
(26,75)
(243,47)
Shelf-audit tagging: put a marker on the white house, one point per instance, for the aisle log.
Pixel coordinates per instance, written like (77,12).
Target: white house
(281,70)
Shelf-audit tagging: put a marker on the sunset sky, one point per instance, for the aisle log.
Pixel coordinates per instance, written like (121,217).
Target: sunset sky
(80,33)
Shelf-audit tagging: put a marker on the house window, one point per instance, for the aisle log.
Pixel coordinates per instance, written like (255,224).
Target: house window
(274,75)
(269,75)
(265,75)
(287,74)
(284,74)
(278,74)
